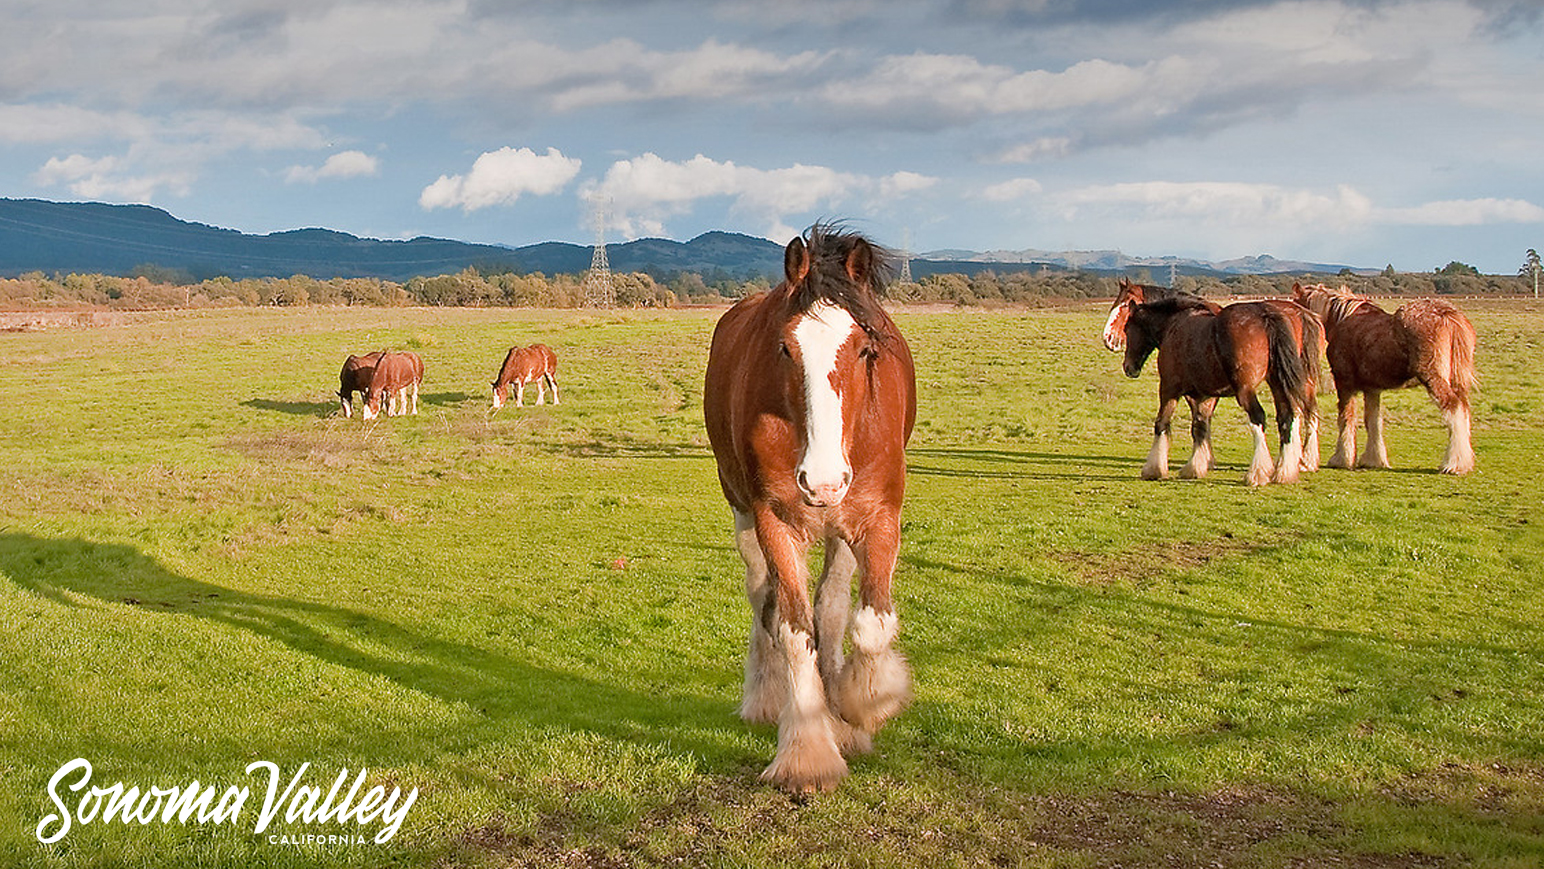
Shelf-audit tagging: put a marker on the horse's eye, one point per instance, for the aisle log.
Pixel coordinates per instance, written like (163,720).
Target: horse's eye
(784,348)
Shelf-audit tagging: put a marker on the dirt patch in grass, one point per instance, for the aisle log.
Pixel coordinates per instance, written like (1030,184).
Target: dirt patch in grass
(1152,558)
(733,821)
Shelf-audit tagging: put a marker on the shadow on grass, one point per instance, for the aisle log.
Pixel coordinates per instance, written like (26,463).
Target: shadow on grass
(994,464)
(497,686)
(443,399)
(293,408)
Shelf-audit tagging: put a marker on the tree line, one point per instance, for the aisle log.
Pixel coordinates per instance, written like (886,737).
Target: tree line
(150,287)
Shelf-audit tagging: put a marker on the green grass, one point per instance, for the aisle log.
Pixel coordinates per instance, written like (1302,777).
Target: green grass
(537,619)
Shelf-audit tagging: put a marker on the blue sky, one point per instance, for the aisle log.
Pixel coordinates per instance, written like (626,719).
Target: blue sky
(1404,132)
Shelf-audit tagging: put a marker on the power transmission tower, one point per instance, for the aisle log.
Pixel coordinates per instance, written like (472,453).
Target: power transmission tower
(1172,275)
(905,276)
(599,290)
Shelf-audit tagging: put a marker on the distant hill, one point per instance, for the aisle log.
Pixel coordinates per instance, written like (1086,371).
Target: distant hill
(93,237)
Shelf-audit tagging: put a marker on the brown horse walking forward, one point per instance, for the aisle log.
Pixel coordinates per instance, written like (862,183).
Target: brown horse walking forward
(809,401)
(397,377)
(524,365)
(1205,353)
(355,377)
(1307,333)
(1426,341)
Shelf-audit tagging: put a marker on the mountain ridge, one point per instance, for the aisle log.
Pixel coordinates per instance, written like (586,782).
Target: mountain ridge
(96,237)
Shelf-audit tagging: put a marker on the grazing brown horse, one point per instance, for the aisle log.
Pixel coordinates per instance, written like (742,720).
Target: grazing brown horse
(397,377)
(809,401)
(1426,341)
(524,365)
(355,377)
(1205,353)
(1307,331)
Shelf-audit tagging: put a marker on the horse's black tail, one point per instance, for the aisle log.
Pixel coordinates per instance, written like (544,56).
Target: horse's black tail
(1286,370)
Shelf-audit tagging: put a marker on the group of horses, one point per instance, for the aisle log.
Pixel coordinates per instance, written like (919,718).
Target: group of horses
(1207,351)
(810,400)
(398,375)
(393,375)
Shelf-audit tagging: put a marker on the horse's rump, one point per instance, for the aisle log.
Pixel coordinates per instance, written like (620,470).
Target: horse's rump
(1441,343)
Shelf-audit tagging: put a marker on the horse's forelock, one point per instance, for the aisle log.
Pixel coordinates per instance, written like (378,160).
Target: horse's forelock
(830,249)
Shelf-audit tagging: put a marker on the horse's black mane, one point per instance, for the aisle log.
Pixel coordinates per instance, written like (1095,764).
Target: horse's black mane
(829,245)
(1180,301)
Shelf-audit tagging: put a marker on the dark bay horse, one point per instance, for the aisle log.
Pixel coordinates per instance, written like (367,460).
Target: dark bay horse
(397,377)
(1426,341)
(1206,352)
(1307,331)
(355,377)
(1130,294)
(536,363)
(810,399)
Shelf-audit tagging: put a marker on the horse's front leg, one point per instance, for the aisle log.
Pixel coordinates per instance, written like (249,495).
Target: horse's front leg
(1376,455)
(808,758)
(1157,465)
(519,393)
(833,606)
(1345,422)
(766,679)
(1200,437)
(876,682)
(1260,466)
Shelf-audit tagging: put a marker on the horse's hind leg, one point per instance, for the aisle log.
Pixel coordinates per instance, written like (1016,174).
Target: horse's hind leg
(1459,458)
(766,679)
(552,381)
(876,682)
(833,605)
(1289,428)
(541,390)
(1376,455)
(1157,465)
(1201,438)
(1260,466)
(415,398)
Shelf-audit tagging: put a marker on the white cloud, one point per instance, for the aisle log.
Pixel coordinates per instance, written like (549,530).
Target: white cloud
(344,164)
(643,191)
(104,178)
(1215,203)
(502,177)
(1465,212)
(1008,191)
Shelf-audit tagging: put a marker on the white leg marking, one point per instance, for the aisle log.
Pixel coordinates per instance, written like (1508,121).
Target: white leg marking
(1291,454)
(1460,451)
(1157,464)
(876,683)
(1260,467)
(1376,455)
(807,755)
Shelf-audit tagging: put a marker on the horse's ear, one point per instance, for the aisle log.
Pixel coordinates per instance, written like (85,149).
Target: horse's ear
(1125,282)
(796,262)
(860,262)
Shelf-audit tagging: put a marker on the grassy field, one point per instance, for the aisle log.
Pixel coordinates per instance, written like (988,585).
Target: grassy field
(536,618)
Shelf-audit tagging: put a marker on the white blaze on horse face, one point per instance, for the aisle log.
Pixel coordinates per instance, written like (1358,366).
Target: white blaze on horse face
(1113,340)
(823,473)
